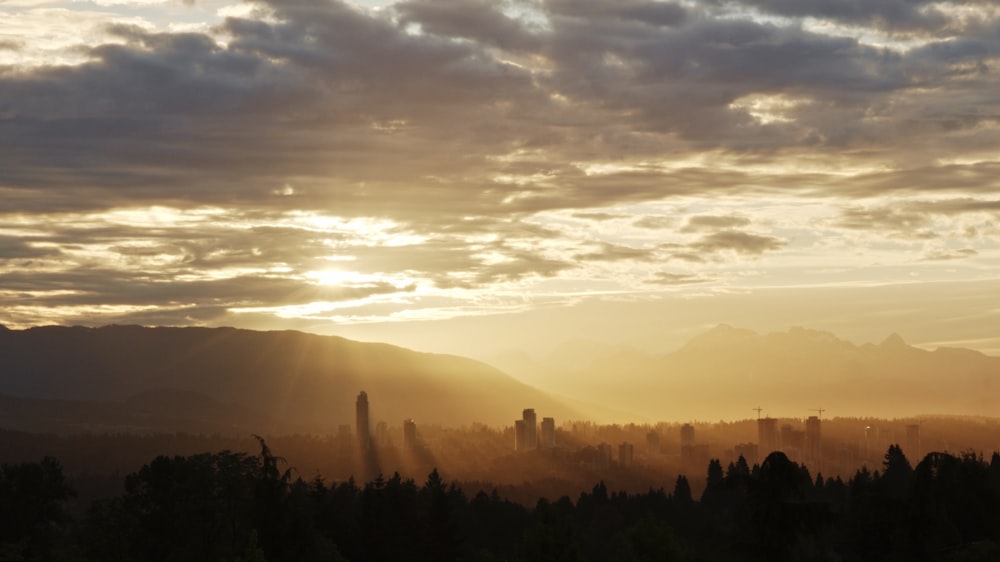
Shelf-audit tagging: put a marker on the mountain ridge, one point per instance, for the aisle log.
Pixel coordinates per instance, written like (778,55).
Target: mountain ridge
(721,370)
(303,379)
(297,379)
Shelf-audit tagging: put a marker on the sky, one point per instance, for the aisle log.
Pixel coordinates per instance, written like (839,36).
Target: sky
(475,176)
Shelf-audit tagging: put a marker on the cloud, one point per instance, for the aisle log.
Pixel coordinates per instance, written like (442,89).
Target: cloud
(598,216)
(945,255)
(957,206)
(899,222)
(614,252)
(668,278)
(474,145)
(522,265)
(892,15)
(738,242)
(711,222)
(321,91)
(11,45)
(920,219)
(477,20)
(108,287)
(655,222)
(717,246)
(649,13)
(12,247)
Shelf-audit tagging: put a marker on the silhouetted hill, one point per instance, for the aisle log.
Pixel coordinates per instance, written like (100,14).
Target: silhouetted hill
(156,411)
(726,371)
(298,379)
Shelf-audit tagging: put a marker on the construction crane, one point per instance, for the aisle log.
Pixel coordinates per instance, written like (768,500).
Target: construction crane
(758,410)
(820,410)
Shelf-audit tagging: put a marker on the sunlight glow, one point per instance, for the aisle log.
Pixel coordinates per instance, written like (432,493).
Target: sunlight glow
(768,108)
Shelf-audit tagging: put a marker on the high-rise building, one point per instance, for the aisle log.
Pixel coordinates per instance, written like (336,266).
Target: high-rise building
(602,460)
(814,446)
(871,441)
(625,454)
(652,443)
(530,429)
(409,434)
(793,442)
(548,435)
(362,426)
(687,435)
(768,439)
(520,436)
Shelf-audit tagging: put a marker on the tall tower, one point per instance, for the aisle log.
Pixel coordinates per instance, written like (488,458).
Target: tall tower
(768,438)
(652,443)
(814,447)
(520,436)
(548,440)
(626,453)
(530,429)
(687,446)
(409,434)
(361,421)
(687,435)
(871,439)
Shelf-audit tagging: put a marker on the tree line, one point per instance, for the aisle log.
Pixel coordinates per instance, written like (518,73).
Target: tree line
(237,506)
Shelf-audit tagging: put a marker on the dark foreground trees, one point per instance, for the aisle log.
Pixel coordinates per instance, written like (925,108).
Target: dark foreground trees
(234,506)
(33,516)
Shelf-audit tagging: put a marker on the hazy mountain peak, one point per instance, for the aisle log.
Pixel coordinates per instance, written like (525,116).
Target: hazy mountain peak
(813,335)
(729,331)
(894,340)
(720,335)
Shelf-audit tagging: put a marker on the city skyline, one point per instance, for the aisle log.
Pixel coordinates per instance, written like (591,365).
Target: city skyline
(476,177)
(675,448)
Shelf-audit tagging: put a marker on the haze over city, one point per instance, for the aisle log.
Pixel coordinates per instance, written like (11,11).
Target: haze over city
(499,280)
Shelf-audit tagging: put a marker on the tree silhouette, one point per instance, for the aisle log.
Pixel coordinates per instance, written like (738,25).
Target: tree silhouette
(682,491)
(233,506)
(551,535)
(32,508)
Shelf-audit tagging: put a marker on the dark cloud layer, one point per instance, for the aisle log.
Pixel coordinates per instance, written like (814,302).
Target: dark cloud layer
(460,121)
(353,108)
(703,222)
(739,242)
(668,278)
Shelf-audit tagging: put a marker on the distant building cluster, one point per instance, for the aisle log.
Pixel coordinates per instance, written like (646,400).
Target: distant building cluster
(527,436)
(362,428)
(362,425)
(362,443)
(800,440)
(693,454)
(799,445)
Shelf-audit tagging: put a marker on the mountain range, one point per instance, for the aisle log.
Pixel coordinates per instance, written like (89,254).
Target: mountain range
(227,380)
(726,372)
(117,378)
